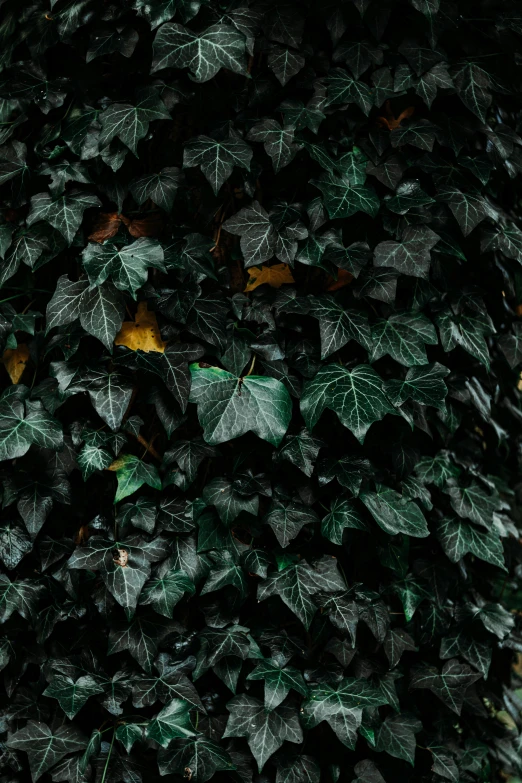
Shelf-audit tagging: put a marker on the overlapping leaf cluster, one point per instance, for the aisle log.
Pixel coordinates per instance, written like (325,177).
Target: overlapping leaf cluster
(260,420)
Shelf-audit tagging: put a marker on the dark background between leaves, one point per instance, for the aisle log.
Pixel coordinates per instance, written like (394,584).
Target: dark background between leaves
(67,628)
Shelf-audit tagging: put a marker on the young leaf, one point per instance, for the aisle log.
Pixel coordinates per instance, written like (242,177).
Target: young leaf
(228,406)
(132,474)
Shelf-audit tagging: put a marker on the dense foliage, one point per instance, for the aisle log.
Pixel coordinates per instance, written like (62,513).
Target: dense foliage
(260,426)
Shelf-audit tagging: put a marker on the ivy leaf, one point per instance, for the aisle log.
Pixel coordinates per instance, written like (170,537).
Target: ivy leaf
(395,513)
(229,503)
(506,238)
(263,235)
(258,235)
(108,40)
(380,284)
(265,729)
(278,682)
(284,63)
(189,454)
(341,610)
(72,695)
(473,85)
(450,685)
(396,643)
(228,406)
(64,213)
(158,11)
(45,746)
(367,772)
(278,142)
(200,755)
(168,683)
(131,123)
(295,768)
(356,397)
(14,544)
(338,325)
(110,394)
(93,458)
(219,46)
(343,88)
(341,707)
(61,173)
(140,637)
(224,571)
(477,653)
(100,310)
(423,384)
(125,576)
(217,158)
(287,520)
(409,195)
(403,337)
(160,188)
(296,584)
(13,161)
(396,736)
(466,330)
(132,474)
(343,515)
(101,313)
(343,199)
(171,722)
(511,346)
(469,209)
(127,266)
(170,364)
(19,596)
(417,133)
(410,256)
(301,450)
(493,617)
(28,245)
(358,55)
(22,424)
(475,503)
(458,538)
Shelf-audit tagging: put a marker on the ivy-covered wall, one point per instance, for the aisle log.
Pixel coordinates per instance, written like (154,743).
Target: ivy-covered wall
(260,412)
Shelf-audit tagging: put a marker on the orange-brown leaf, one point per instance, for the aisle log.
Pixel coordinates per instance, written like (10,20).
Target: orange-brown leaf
(343,278)
(388,120)
(105,226)
(274,276)
(15,361)
(149,226)
(143,333)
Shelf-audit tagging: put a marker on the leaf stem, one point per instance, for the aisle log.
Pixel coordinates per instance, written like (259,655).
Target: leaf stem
(251,366)
(108,757)
(16,296)
(149,448)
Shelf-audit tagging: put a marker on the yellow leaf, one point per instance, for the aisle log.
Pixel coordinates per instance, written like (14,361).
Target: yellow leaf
(117,464)
(274,276)
(15,361)
(143,333)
